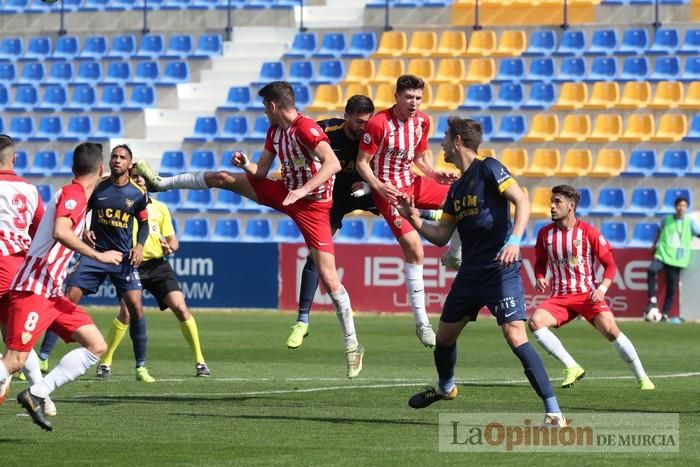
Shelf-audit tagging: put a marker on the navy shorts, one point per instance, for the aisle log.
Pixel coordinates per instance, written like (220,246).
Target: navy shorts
(89,275)
(498,289)
(346,205)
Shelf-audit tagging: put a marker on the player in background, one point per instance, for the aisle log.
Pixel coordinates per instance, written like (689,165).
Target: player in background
(304,193)
(478,206)
(394,140)
(569,248)
(157,277)
(36,298)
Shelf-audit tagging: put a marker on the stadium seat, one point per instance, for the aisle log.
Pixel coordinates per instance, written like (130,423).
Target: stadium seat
(642,163)
(4,97)
(541,97)
(644,202)
(511,44)
(510,70)
(672,128)
(176,71)
(333,45)
(38,48)
(208,45)
(67,48)
(226,202)
(691,101)
(226,230)
(66,167)
(329,72)
(537,226)
(21,162)
(542,43)
(540,204)
(26,98)
(113,98)
(118,72)
(513,127)
(666,42)
(147,72)
(479,97)
(574,128)
(691,43)
(615,233)
(302,95)
(609,163)
(238,99)
(422,44)
(545,163)
(46,192)
(541,70)
(89,72)
(45,164)
(82,100)
(259,130)
(447,97)
(11,48)
(234,131)
(692,70)
(510,97)
(258,230)
(32,73)
(50,128)
(270,71)
(94,48)
(644,235)
(202,160)
(603,42)
(8,73)
(362,45)
(487,126)
(423,67)
(611,202)
(675,163)
(693,135)
(21,128)
(79,128)
(607,128)
(666,69)
(576,163)
(288,232)
(197,201)
(391,44)
(61,72)
(179,47)
(328,97)
(635,95)
(572,69)
(573,42)
(123,47)
(388,70)
(482,43)
(381,233)
(543,128)
(361,70)
(634,42)
(669,95)
(694,172)
(205,129)
(516,160)
(141,98)
(602,69)
(634,69)
(451,44)
(152,46)
(640,128)
(480,70)
(356,89)
(196,230)
(303,45)
(670,197)
(572,96)
(353,231)
(172,162)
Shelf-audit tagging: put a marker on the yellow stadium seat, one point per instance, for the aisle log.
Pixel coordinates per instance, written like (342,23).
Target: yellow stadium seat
(607,128)
(353,89)
(512,44)
(692,97)
(515,159)
(423,44)
(388,70)
(392,44)
(487,152)
(422,67)
(640,128)
(482,43)
(603,96)
(577,163)
(451,44)
(541,203)
(545,163)
(440,164)
(480,70)
(447,97)
(669,95)
(575,128)
(328,97)
(572,96)
(610,163)
(672,128)
(427,100)
(450,70)
(384,96)
(544,128)
(360,71)
(636,95)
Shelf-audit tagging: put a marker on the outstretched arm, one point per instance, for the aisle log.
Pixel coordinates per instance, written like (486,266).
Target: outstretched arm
(437,234)
(63,233)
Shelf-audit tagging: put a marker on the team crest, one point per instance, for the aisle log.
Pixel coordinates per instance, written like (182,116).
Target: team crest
(366,138)
(129,203)
(419,132)
(314,132)
(70,204)
(577,242)
(26,337)
(602,241)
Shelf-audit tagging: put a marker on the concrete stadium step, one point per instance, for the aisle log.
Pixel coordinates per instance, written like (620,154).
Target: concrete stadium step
(341,14)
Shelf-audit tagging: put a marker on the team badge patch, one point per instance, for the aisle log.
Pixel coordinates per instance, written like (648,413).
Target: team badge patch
(602,241)
(129,202)
(577,242)
(70,204)
(366,138)
(26,337)
(314,132)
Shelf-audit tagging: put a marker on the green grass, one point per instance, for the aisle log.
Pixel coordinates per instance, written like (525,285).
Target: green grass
(252,410)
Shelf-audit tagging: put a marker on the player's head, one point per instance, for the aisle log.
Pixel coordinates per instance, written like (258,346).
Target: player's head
(461,133)
(120,159)
(87,160)
(278,97)
(7,152)
(681,206)
(358,110)
(565,199)
(409,93)
(138,179)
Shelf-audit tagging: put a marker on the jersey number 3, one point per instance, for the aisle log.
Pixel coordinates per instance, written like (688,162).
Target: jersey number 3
(20,202)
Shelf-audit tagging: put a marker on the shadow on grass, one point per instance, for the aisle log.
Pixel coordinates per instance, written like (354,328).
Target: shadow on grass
(156,398)
(333,420)
(569,408)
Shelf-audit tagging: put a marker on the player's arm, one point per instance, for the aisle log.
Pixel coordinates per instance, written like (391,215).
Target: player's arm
(136,253)
(385,190)
(513,193)
(63,233)
(168,240)
(541,259)
(603,253)
(258,169)
(437,234)
(36,219)
(424,162)
(330,165)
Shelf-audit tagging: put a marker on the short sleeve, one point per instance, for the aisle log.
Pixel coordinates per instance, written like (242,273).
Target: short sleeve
(71,203)
(269,143)
(599,244)
(166,224)
(448,208)
(423,141)
(497,174)
(310,134)
(372,137)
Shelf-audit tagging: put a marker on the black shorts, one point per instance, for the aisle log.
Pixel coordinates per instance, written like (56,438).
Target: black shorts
(346,205)
(158,277)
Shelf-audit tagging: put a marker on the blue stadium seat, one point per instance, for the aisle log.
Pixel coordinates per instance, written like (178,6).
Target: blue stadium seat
(259,131)
(83,99)
(46,192)
(32,72)
(89,72)
(675,163)
(695,170)
(61,72)
(197,201)
(142,97)
(152,46)
(50,128)
(362,45)
(66,167)
(196,230)
(211,4)
(205,129)
(329,72)
(670,197)
(487,126)
(572,69)
(512,128)
(171,198)
(172,162)
(26,98)
(38,48)
(109,126)
(8,73)
(21,128)
(693,135)
(602,69)
(179,47)
(691,43)
(542,97)
(11,48)
(542,43)
(127,5)
(234,131)
(123,46)
(258,230)
(118,72)
(634,42)
(202,160)
(611,202)
(479,97)
(353,231)
(94,48)
(270,71)
(642,163)
(301,71)
(634,69)
(644,234)
(113,99)
(79,129)
(208,45)
(537,226)
(644,202)
(67,48)
(45,164)
(615,233)
(586,201)
(176,226)
(226,230)
(288,232)
(666,69)
(147,72)
(439,130)
(176,71)
(4,97)
(541,69)
(225,162)
(238,99)
(303,45)
(21,162)
(302,95)
(510,70)
(573,42)
(603,42)
(510,97)
(227,202)
(692,70)
(666,42)
(381,232)
(333,46)
(91,6)
(54,99)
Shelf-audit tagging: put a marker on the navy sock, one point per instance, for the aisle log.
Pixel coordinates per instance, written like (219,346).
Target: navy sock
(445,361)
(309,284)
(47,345)
(139,339)
(537,375)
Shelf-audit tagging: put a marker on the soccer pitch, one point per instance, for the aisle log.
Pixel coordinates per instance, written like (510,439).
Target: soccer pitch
(268,405)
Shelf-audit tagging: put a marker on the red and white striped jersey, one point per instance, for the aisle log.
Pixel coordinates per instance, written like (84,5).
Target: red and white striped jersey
(295,147)
(46,265)
(394,144)
(21,209)
(571,256)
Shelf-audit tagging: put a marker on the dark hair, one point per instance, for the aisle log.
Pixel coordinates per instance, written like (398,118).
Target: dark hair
(87,159)
(359,105)
(405,82)
(6,141)
(567,191)
(279,92)
(125,147)
(469,130)
(679,200)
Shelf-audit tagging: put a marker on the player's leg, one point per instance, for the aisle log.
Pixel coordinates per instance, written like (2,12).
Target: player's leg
(117,331)
(307,291)
(412,248)
(655,268)
(175,300)
(673,275)
(47,345)
(604,322)
(138,333)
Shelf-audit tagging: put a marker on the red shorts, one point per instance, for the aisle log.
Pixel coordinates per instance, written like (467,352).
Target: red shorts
(9,265)
(427,194)
(312,217)
(565,308)
(31,314)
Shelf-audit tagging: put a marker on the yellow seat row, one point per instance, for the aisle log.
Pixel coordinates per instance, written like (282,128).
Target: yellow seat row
(634,95)
(449,70)
(451,44)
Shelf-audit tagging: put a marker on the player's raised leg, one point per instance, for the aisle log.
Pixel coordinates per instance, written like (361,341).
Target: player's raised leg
(539,323)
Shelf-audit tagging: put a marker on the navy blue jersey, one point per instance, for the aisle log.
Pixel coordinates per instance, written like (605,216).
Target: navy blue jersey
(113,211)
(346,150)
(481,211)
